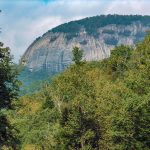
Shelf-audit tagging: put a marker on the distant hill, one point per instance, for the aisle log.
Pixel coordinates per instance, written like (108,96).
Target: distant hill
(51,53)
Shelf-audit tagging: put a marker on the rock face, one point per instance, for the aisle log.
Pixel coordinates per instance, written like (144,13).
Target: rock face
(52,51)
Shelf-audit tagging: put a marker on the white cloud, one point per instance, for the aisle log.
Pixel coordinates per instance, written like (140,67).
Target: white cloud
(129,7)
(23,21)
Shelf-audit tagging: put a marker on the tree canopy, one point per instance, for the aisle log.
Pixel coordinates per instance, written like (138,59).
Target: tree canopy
(91,105)
(9,86)
(91,24)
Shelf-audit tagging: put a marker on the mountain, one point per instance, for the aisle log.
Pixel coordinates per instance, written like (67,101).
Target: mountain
(51,53)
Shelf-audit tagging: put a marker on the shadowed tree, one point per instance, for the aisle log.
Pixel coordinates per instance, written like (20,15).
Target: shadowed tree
(9,85)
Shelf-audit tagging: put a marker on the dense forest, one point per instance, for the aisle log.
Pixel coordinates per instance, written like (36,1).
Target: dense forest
(91,24)
(90,106)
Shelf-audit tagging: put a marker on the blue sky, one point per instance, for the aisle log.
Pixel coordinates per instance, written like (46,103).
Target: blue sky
(24,20)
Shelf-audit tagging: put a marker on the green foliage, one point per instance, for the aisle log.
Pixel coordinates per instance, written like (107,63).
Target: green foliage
(92,105)
(117,64)
(91,24)
(9,86)
(70,36)
(106,31)
(77,55)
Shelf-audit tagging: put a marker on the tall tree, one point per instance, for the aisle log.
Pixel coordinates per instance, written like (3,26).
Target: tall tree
(77,55)
(9,85)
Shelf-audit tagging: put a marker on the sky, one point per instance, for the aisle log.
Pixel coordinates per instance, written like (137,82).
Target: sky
(22,21)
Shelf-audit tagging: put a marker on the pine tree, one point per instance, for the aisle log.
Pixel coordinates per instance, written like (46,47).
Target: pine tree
(77,55)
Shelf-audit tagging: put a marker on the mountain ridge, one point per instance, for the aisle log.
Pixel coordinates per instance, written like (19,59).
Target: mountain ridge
(95,35)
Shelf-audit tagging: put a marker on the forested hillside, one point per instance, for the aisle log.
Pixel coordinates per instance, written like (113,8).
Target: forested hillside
(92,24)
(100,105)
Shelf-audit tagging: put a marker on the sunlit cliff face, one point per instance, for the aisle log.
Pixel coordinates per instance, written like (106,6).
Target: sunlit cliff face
(52,51)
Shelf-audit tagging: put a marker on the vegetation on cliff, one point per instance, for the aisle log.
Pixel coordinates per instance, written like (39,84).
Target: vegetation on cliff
(91,24)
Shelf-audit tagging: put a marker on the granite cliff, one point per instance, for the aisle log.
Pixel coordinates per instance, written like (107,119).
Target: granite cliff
(95,35)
